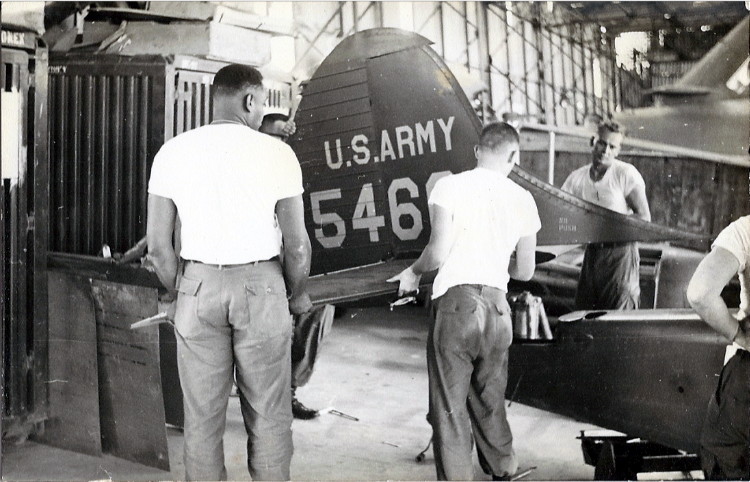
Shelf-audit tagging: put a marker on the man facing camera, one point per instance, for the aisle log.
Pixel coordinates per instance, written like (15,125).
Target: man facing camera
(609,275)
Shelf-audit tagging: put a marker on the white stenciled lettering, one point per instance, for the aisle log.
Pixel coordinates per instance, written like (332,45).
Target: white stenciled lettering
(329,160)
(425,134)
(404,137)
(13,38)
(446,128)
(407,141)
(386,147)
(322,219)
(404,210)
(359,146)
(365,215)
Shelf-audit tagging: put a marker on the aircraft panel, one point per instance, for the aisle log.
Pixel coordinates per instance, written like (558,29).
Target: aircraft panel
(337,80)
(332,96)
(654,372)
(336,110)
(328,129)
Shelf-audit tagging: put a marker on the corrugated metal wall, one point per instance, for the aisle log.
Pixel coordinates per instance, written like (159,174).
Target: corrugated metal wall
(104,131)
(23,81)
(665,73)
(109,116)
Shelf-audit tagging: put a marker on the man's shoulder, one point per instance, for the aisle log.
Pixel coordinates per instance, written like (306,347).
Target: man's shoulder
(579,173)
(625,167)
(454,179)
(741,225)
(183,139)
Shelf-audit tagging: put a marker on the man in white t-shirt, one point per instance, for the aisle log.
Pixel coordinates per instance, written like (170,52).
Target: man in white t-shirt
(230,184)
(609,275)
(725,440)
(479,218)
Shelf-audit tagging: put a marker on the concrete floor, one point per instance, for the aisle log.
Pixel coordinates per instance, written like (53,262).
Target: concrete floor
(372,367)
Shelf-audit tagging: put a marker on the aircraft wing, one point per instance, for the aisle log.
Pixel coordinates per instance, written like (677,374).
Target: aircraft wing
(647,373)
(368,281)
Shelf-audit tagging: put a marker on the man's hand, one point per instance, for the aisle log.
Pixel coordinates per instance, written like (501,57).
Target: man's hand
(300,304)
(289,128)
(408,281)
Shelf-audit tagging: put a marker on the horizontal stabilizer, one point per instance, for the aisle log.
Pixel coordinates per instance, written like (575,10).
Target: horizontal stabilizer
(567,219)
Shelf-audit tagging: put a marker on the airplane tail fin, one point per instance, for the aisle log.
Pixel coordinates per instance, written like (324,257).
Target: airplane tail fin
(712,72)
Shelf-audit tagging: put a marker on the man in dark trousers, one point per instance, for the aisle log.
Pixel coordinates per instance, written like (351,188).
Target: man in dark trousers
(610,277)
(725,439)
(230,186)
(479,219)
(310,327)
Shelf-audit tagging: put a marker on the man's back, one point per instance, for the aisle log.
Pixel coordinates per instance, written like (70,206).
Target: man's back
(490,214)
(225,180)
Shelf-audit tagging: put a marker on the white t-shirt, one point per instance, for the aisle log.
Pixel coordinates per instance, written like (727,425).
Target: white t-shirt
(490,214)
(735,238)
(611,190)
(225,180)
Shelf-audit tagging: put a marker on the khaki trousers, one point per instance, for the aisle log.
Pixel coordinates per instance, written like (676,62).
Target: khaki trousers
(227,320)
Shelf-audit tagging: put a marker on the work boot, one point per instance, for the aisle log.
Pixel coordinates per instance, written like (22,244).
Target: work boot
(301,412)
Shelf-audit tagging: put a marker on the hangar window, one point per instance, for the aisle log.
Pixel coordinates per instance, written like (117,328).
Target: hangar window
(740,80)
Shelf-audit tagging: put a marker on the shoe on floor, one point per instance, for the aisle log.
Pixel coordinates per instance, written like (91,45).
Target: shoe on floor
(301,412)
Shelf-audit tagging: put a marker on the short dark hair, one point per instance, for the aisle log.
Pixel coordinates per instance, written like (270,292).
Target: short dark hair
(235,78)
(610,126)
(498,134)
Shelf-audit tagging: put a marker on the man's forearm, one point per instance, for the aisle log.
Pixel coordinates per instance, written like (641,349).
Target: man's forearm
(427,261)
(713,310)
(297,268)
(165,264)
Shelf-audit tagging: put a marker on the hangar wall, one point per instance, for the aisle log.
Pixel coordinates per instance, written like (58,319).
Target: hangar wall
(534,64)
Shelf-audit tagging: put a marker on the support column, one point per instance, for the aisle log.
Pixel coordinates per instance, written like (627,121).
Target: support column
(484,56)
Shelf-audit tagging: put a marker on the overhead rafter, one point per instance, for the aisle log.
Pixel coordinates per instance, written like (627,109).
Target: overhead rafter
(618,17)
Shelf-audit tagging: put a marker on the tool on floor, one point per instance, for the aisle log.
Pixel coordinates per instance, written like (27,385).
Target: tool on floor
(333,411)
(522,474)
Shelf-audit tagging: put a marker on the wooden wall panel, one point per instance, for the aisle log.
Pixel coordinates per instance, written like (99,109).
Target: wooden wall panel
(130,395)
(73,422)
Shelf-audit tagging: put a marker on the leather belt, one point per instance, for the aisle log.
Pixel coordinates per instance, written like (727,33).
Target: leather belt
(230,266)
